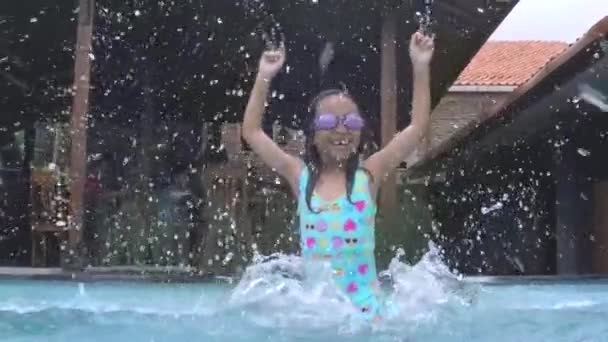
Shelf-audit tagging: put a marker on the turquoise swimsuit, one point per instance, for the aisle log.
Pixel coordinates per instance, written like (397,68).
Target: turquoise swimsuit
(343,233)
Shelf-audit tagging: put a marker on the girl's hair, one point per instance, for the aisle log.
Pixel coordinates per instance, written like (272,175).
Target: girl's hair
(312,157)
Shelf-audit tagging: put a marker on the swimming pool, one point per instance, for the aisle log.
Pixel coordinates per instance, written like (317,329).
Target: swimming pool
(270,309)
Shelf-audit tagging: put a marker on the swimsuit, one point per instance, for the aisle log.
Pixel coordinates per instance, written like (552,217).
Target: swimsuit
(342,233)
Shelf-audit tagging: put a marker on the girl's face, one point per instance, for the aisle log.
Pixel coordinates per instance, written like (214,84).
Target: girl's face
(337,127)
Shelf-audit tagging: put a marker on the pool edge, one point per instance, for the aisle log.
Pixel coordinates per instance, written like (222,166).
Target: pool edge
(185,275)
(127,274)
(536,279)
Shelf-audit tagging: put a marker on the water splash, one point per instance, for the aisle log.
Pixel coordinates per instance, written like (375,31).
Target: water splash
(273,35)
(593,97)
(495,207)
(583,152)
(425,20)
(268,28)
(286,290)
(282,293)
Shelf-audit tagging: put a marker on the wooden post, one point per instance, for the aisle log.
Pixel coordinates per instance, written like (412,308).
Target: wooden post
(80,108)
(246,220)
(600,229)
(388,107)
(28,158)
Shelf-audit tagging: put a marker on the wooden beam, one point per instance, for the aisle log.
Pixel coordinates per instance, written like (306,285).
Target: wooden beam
(388,106)
(80,107)
(600,229)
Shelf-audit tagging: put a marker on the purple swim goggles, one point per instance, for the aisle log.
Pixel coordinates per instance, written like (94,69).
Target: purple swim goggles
(328,121)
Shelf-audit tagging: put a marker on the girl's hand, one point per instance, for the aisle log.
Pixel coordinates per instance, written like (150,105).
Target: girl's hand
(271,62)
(421,49)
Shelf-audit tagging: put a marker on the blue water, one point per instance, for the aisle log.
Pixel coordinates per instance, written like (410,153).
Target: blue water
(267,306)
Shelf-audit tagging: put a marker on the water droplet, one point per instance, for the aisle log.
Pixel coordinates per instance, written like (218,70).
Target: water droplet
(583,152)
(33,20)
(219,20)
(480,10)
(495,207)
(137,13)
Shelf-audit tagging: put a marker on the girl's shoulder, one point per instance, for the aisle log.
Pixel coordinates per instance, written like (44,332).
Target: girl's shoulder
(363,175)
(304,174)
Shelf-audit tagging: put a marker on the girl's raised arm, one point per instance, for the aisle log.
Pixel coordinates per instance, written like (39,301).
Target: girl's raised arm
(271,154)
(381,163)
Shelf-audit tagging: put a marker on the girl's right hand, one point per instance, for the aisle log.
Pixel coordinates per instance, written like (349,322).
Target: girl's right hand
(421,49)
(271,62)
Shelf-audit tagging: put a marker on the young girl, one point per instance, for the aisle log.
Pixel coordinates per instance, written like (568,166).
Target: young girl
(336,191)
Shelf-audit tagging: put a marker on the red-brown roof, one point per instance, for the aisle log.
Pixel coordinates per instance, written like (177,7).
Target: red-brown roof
(509,63)
(597,33)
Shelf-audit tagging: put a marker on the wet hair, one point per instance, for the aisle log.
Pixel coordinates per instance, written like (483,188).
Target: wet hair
(312,158)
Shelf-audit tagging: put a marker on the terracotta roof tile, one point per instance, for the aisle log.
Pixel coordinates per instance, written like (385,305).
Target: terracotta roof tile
(509,63)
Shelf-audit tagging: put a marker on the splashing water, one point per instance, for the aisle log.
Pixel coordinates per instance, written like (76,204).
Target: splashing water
(288,291)
(593,97)
(268,29)
(495,207)
(273,37)
(274,301)
(425,20)
(275,293)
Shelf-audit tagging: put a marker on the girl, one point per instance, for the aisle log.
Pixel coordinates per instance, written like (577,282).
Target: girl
(336,192)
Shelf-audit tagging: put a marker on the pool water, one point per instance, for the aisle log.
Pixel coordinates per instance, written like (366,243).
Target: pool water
(270,303)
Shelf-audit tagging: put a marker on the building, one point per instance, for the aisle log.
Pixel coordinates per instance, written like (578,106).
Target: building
(489,79)
(521,189)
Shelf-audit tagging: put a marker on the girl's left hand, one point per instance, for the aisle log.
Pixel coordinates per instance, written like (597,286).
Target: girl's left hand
(421,49)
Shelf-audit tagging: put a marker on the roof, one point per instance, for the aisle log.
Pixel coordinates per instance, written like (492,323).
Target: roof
(509,63)
(519,99)
(499,66)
